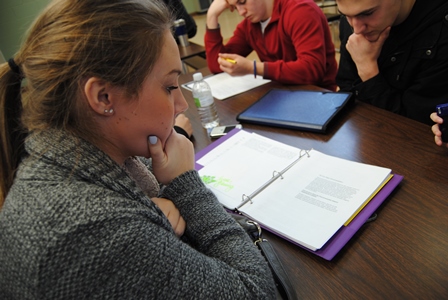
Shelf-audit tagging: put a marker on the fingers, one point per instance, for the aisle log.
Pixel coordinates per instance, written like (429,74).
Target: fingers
(228,61)
(177,222)
(383,36)
(183,122)
(438,141)
(179,229)
(234,64)
(173,159)
(437,119)
(156,150)
(172,214)
(436,130)
(437,134)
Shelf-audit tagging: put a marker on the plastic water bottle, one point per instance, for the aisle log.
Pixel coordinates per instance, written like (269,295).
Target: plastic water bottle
(205,103)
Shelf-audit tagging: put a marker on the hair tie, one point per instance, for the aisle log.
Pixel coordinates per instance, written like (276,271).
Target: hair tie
(14,67)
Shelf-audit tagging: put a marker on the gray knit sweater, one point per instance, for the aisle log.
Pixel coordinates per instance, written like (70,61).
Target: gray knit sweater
(75,225)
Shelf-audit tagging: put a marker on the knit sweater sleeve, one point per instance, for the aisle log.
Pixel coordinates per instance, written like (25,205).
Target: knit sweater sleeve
(131,253)
(232,264)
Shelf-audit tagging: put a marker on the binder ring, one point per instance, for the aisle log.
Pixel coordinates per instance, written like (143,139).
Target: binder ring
(307,153)
(277,174)
(246,199)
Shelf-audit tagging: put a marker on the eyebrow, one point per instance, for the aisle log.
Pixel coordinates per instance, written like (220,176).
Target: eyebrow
(364,12)
(174,71)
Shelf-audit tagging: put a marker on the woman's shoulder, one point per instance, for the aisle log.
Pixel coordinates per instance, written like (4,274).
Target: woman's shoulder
(53,232)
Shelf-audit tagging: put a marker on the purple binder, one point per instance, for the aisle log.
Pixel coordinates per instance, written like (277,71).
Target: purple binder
(345,233)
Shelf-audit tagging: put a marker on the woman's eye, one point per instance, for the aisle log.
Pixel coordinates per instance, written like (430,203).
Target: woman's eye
(172,88)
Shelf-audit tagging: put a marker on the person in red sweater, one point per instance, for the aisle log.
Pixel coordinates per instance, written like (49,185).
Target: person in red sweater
(291,37)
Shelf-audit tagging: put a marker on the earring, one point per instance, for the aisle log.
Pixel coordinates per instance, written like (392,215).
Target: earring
(109,111)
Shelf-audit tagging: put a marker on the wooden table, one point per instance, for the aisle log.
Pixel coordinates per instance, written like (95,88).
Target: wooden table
(193,56)
(402,254)
(191,50)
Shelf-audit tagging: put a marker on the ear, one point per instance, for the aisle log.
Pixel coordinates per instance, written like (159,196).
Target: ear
(97,93)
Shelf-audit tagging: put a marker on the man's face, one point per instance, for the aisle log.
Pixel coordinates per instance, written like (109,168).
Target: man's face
(253,10)
(370,17)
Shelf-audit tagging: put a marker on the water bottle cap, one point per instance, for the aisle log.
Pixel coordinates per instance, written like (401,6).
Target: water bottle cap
(179,22)
(197,76)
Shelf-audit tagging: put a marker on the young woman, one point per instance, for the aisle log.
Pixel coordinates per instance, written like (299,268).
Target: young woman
(87,108)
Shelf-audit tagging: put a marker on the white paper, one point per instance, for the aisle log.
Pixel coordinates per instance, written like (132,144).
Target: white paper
(224,85)
(308,204)
(229,169)
(315,198)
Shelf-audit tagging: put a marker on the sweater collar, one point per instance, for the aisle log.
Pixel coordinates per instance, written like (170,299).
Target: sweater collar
(74,156)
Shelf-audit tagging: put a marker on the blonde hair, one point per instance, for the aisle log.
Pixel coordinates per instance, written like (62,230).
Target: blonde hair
(115,40)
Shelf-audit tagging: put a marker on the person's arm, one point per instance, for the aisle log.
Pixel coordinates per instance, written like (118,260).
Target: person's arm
(131,252)
(413,91)
(237,46)
(309,62)
(213,232)
(213,39)
(306,28)
(214,11)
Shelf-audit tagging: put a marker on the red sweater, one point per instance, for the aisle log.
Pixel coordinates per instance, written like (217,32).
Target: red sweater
(296,47)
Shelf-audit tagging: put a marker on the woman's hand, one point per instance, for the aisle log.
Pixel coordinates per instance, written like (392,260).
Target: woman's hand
(173,159)
(183,122)
(172,213)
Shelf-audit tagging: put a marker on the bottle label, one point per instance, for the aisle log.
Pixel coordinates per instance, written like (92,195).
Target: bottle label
(203,101)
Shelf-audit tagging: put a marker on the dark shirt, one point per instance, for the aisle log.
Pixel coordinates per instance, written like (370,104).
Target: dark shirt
(180,12)
(413,64)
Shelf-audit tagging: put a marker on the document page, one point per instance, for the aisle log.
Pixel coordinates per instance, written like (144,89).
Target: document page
(224,85)
(242,164)
(314,198)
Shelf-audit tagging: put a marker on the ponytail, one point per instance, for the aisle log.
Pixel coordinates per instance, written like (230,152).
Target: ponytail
(12,134)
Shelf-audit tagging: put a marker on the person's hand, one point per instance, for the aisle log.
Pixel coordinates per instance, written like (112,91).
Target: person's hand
(238,65)
(172,159)
(365,53)
(183,122)
(172,214)
(435,129)
(217,7)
